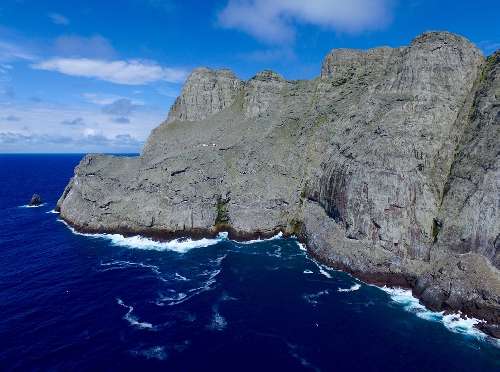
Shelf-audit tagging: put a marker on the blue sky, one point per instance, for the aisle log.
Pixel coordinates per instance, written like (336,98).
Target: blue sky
(97,76)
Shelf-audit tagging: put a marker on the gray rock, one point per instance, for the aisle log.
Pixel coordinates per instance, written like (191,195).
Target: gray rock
(386,165)
(36,200)
(471,203)
(205,92)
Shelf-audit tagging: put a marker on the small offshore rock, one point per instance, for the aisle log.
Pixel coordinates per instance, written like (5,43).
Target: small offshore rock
(35,200)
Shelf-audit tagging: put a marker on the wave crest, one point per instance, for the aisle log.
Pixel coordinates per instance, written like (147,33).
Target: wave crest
(352,288)
(457,322)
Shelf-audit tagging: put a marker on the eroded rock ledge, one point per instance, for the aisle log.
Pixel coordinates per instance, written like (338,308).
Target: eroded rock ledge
(387,166)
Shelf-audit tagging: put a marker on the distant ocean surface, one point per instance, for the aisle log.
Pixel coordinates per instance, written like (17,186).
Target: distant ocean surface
(70,302)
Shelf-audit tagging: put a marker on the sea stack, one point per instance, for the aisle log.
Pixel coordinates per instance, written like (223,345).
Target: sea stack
(36,200)
(387,165)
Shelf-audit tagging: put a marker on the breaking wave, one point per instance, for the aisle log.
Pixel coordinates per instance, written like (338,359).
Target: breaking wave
(275,237)
(181,245)
(302,247)
(353,288)
(140,242)
(322,269)
(32,206)
(457,323)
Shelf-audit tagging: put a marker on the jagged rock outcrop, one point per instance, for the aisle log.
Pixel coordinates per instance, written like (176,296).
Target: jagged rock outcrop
(386,165)
(206,92)
(35,200)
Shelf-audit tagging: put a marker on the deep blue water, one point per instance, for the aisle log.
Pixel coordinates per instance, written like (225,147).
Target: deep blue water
(73,302)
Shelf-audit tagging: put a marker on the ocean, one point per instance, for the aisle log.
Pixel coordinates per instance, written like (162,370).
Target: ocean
(104,302)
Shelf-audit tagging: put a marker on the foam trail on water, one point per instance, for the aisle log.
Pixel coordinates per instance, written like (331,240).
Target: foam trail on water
(180,277)
(53,211)
(121,264)
(32,206)
(454,322)
(133,319)
(155,352)
(353,288)
(207,284)
(313,298)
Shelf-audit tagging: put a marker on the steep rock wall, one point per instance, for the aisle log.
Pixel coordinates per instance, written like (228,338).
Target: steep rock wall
(366,163)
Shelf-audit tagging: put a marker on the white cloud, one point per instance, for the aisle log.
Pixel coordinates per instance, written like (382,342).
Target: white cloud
(94,46)
(73,129)
(273,21)
(106,99)
(95,142)
(133,72)
(11,118)
(11,52)
(120,107)
(75,122)
(58,19)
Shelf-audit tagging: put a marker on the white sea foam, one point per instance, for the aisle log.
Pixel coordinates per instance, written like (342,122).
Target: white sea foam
(276,253)
(132,319)
(140,242)
(155,352)
(322,270)
(302,247)
(53,211)
(180,277)
(32,206)
(178,298)
(171,299)
(353,288)
(121,264)
(218,323)
(275,237)
(293,349)
(313,298)
(226,297)
(457,323)
(176,245)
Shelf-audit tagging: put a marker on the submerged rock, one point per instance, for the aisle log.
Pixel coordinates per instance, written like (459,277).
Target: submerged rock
(387,166)
(36,200)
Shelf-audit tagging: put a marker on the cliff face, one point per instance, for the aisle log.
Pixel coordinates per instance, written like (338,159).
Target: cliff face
(386,165)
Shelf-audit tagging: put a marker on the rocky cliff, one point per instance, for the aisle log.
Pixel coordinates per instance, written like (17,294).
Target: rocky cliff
(387,165)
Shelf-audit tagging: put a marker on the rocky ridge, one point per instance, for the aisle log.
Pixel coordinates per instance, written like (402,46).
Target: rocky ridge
(387,166)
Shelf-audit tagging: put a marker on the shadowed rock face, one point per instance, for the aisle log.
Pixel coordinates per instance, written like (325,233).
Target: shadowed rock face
(386,165)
